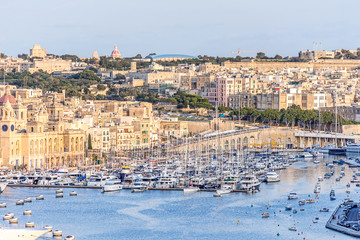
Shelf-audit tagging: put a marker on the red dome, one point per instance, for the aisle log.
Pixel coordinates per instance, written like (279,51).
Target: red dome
(7,96)
(115,52)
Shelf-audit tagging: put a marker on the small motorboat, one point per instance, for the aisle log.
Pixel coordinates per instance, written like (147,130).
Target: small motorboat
(295,211)
(288,207)
(265,215)
(292,196)
(332,195)
(315,221)
(347,191)
(292,229)
(191,190)
(302,202)
(324,210)
(310,201)
(301,209)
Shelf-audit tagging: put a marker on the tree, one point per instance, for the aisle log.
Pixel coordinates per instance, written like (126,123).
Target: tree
(100,87)
(223,109)
(23,56)
(277,56)
(260,55)
(89,142)
(119,76)
(87,74)
(93,69)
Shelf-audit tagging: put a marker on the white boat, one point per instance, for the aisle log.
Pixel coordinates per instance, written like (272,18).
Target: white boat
(305,155)
(96,181)
(353,147)
(250,183)
(112,185)
(3,185)
(292,196)
(139,186)
(317,154)
(223,190)
(166,182)
(317,189)
(272,177)
(21,234)
(62,171)
(190,190)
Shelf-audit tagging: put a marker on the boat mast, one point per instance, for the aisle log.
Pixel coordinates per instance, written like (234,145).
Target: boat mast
(336,113)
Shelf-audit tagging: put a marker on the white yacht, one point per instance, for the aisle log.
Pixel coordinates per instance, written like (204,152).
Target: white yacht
(139,186)
(62,171)
(112,185)
(22,234)
(250,183)
(353,147)
(190,190)
(167,182)
(272,177)
(305,155)
(292,196)
(96,181)
(225,189)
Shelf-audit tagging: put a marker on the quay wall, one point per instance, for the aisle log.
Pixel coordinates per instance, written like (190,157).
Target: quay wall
(91,187)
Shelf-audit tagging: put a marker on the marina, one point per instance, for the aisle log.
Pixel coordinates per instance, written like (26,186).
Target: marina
(168,214)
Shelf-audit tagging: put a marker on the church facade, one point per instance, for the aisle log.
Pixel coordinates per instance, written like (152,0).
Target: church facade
(34,135)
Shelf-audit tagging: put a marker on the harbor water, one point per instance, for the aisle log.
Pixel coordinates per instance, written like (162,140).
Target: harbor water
(173,215)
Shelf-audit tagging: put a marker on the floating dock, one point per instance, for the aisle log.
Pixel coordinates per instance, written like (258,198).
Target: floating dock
(345,219)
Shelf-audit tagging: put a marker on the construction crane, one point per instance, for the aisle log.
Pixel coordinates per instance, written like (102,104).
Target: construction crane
(238,52)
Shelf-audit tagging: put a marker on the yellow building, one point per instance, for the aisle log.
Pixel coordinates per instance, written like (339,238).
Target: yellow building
(37,52)
(50,65)
(36,139)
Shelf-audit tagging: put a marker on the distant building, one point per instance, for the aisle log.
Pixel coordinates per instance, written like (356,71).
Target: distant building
(314,55)
(50,65)
(37,52)
(95,55)
(115,54)
(169,57)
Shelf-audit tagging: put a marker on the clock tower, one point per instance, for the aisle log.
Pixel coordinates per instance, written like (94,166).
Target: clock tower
(9,143)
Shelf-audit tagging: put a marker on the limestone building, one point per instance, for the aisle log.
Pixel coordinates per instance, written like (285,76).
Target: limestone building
(35,136)
(37,52)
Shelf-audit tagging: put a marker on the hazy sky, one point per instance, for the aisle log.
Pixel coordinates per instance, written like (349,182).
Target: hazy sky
(195,27)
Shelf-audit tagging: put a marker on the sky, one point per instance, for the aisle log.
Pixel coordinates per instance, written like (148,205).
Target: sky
(194,27)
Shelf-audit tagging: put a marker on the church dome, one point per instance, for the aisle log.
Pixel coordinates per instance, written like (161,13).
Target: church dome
(115,53)
(7,97)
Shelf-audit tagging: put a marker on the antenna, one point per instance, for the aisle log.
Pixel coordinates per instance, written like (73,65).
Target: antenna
(321,46)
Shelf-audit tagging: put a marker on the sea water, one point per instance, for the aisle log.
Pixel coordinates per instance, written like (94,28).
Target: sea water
(173,215)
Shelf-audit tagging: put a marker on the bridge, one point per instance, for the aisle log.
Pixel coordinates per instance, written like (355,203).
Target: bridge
(260,138)
(252,138)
